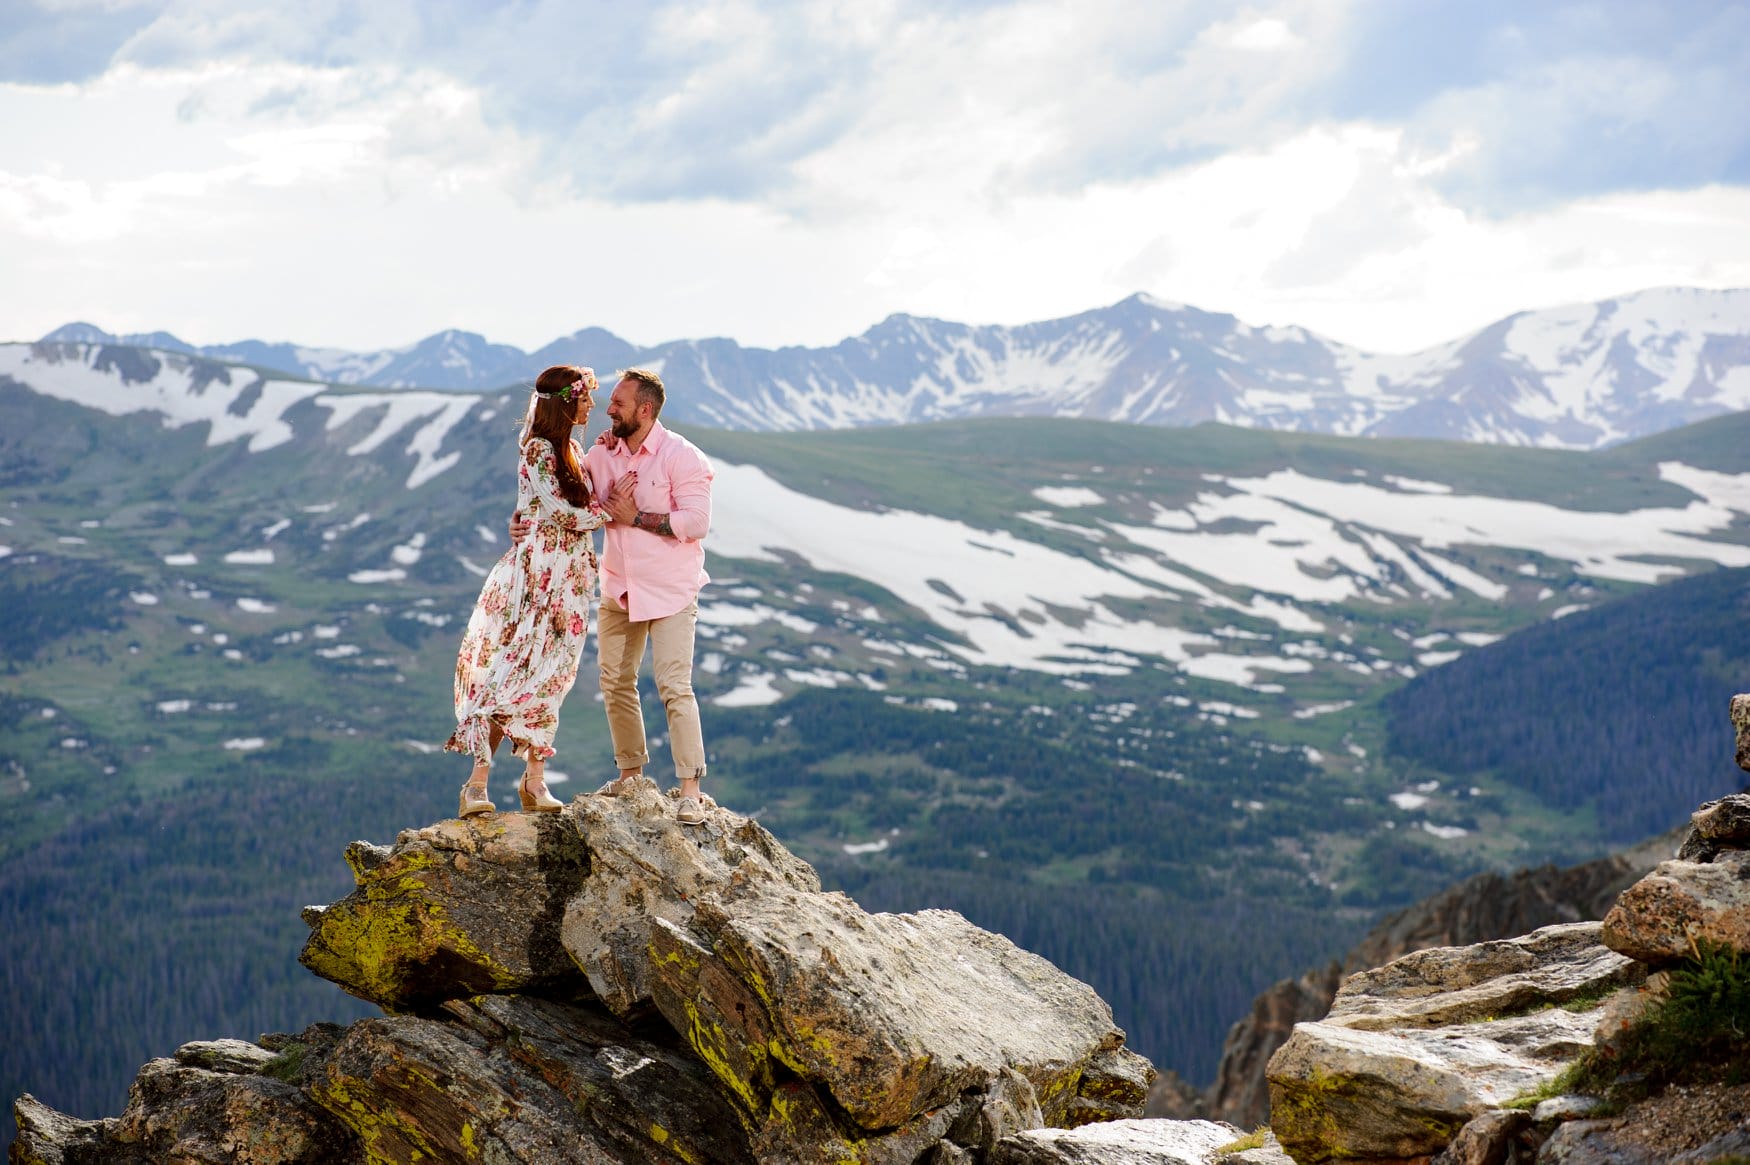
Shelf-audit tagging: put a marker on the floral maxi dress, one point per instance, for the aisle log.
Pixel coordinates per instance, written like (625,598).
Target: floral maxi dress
(519,655)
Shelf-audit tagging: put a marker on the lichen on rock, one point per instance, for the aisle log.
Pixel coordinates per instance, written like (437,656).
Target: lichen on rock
(1414,1050)
(453,910)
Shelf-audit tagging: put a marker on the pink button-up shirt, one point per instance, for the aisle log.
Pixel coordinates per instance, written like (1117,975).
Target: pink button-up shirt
(649,575)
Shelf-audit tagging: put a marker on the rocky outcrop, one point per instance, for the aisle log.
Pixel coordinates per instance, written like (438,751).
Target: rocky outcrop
(1680,906)
(1741,725)
(1419,1056)
(1700,898)
(1413,1051)
(1487,906)
(211,1104)
(452,910)
(604,984)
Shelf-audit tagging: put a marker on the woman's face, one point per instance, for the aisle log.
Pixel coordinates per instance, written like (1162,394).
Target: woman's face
(585,402)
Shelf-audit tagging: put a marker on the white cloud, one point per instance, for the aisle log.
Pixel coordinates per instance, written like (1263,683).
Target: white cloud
(1264,36)
(789,173)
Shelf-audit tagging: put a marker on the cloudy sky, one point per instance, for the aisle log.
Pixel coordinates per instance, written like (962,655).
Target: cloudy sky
(1389,172)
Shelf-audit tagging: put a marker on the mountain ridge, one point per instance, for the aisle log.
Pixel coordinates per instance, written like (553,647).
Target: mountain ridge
(1575,376)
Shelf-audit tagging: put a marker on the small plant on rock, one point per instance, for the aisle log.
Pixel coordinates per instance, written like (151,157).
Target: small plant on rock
(1699,1032)
(1252,1140)
(1711,999)
(289,1064)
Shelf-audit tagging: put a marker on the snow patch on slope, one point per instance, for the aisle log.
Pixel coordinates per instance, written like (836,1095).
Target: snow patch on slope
(1318,541)
(172,392)
(1001,595)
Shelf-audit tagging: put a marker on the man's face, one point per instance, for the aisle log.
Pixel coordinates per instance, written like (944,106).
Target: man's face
(623,409)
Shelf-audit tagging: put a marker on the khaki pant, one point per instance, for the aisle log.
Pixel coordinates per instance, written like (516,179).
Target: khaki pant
(621,644)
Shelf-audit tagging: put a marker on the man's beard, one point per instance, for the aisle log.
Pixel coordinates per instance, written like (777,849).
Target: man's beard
(624,429)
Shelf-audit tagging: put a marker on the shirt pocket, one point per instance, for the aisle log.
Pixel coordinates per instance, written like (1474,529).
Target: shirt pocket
(654,493)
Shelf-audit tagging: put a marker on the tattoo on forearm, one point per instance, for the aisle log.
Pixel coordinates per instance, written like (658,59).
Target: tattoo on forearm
(655,523)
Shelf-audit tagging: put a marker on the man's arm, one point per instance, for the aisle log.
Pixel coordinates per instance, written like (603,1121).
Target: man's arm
(655,523)
(689,518)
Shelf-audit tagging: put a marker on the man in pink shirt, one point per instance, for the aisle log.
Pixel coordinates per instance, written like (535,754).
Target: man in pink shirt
(653,564)
(652,568)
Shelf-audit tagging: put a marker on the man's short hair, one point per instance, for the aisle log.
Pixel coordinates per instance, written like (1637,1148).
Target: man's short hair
(650,390)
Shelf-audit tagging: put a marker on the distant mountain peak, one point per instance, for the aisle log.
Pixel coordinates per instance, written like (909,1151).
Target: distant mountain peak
(78,332)
(1144,299)
(84,333)
(1577,376)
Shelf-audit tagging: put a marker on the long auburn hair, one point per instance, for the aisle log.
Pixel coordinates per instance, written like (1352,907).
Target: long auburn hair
(552,417)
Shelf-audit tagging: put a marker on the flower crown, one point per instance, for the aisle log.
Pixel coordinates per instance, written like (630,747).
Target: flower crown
(569,392)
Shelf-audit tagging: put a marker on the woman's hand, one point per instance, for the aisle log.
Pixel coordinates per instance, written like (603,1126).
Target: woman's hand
(519,526)
(620,507)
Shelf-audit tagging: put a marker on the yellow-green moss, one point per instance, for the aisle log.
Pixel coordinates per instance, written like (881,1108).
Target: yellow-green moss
(675,958)
(1302,1114)
(711,1044)
(367,948)
(1252,1140)
(851,1150)
(288,1063)
(373,1125)
(681,1149)
(779,1051)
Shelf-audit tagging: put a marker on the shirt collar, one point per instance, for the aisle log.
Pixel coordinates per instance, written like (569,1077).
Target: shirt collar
(654,439)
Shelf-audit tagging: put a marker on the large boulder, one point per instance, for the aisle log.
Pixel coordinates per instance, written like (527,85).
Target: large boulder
(1414,1050)
(458,908)
(643,868)
(1682,905)
(802,1003)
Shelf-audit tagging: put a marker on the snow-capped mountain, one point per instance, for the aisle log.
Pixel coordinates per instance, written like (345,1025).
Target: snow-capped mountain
(1574,377)
(1233,556)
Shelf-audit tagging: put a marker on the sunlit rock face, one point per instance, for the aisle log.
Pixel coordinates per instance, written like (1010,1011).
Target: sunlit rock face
(605,983)
(1413,1050)
(1701,897)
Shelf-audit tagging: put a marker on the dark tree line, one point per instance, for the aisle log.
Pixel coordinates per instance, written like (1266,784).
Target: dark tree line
(1620,710)
(149,923)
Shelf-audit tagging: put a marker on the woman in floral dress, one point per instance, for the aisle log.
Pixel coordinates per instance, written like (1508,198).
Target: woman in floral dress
(519,655)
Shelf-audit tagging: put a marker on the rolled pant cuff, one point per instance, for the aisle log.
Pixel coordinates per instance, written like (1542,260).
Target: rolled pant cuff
(636,761)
